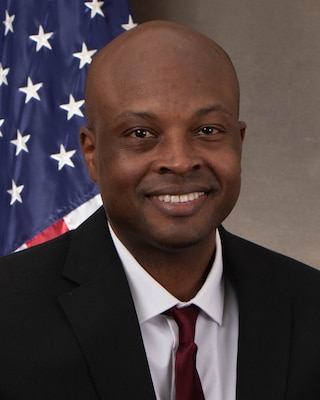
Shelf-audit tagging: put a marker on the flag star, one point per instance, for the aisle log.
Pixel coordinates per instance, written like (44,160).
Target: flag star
(1,123)
(42,39)
(85,56)
(20,142)
(130,24)
(95,7)
(31,90)
(73,107)
(3,75)
(64,157)
(15,193)
(8,23)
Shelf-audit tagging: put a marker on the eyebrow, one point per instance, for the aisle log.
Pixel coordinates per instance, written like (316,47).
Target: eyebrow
(140,114)
(210,109)
(198,113)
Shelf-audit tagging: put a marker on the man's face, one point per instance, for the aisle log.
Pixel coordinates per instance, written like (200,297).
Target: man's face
(165,148)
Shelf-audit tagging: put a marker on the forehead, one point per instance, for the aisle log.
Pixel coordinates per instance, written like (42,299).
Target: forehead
(164,68)
(173,93)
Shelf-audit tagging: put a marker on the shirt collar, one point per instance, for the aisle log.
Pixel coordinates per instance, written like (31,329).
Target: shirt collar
(152,299)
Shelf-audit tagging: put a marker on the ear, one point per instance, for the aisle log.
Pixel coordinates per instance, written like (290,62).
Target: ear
(242,129)
(88,144)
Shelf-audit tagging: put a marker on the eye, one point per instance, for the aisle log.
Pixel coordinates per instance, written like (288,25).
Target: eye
(141,133)
(208,130)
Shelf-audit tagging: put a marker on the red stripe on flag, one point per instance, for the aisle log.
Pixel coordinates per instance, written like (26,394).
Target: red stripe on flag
(53,231)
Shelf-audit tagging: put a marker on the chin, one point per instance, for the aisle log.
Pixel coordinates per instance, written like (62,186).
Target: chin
(166,245)
(175,241)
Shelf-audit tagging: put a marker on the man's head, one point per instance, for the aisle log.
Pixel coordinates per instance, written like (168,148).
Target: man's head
(164,141)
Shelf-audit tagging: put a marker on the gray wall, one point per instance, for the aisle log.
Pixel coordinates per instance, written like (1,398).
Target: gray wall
(275,46)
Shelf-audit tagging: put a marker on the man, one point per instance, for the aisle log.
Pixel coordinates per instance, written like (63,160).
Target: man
(89,315)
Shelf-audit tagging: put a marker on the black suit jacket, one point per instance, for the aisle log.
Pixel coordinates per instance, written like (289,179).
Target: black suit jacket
(69,328)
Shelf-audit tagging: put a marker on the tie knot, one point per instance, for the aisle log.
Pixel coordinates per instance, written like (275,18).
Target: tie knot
(186,320)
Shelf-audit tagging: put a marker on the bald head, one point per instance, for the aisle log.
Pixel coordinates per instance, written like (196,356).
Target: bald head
(162,106)
(153,50)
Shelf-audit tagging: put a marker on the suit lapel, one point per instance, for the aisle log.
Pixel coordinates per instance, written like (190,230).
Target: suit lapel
(264,320)
(102,315)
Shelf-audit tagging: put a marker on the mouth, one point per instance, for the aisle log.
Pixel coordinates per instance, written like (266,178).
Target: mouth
(179,205)
(180,198)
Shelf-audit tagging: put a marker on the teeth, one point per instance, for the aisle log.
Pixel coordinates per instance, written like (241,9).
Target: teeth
(183,198)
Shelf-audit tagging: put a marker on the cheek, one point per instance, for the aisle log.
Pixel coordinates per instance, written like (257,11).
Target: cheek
(228,173)
(228,166)
(118,176)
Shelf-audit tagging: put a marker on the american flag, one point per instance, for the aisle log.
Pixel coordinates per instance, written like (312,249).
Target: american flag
(45,49)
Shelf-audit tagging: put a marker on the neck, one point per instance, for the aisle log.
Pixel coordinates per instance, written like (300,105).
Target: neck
(181,272)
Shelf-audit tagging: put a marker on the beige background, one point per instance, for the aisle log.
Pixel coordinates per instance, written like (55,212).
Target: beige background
(275,46)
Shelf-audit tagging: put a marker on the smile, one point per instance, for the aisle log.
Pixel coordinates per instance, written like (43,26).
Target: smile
(182,198)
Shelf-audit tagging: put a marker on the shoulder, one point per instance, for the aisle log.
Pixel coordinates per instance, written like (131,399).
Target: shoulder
(245,258)
(39,263)
(44,263)
(54,251)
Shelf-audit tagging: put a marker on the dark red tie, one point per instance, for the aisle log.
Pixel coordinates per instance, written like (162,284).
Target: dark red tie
(188,385)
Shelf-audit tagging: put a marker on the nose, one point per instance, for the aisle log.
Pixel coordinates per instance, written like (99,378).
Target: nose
(177,154)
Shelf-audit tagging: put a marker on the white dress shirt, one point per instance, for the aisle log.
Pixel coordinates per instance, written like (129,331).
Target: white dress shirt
(216,327)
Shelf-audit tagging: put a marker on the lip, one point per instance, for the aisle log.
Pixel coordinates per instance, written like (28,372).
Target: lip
(180,190)
(176,208)
(182,198)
